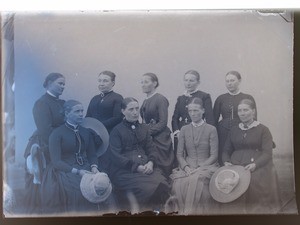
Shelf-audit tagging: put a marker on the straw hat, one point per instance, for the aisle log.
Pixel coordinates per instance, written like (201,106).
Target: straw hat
(100,129)
(229,183)
(95,187)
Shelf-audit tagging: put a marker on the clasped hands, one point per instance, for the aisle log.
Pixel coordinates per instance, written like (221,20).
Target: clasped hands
(146,169)
(251,166)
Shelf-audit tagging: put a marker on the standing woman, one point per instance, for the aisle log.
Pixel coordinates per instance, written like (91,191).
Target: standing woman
(48,114)
(106,107)
(181,116)
(226,106)
(250,144)
(154,112)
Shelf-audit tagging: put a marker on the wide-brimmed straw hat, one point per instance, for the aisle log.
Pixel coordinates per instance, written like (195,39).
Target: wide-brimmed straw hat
(95,187)
(229,182)
(100,129)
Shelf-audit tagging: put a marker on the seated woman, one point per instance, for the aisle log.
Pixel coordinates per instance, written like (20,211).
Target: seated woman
(250,144)
(197,157)
(133,157)
(72,154)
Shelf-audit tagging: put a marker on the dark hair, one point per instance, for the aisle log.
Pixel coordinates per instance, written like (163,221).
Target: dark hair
(153,78)
(195,73)
(234,73)
(110,74)
(126,101)
(248,102)
(197,101)
(51,77)
(68,105)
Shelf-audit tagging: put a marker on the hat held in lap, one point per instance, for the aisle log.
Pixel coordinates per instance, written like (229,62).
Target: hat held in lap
(96,187)
(229,182)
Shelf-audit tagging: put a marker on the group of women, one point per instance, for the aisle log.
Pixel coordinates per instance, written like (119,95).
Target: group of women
(142,161)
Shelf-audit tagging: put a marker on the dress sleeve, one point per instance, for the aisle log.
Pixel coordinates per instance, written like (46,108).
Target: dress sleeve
(55,152)
(151,149)
(175,117)
(116,115)
(217,110)
(209,116)
(266,148)
(115,147)
(227,149)
(213,143)
(43,119)
(162,109)
(181,149)
(90,109)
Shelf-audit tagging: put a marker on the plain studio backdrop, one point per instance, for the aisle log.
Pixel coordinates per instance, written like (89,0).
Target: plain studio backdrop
(168,43)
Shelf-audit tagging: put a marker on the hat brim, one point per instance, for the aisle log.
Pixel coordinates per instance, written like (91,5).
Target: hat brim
(240,188)
(87,189)
(100,129)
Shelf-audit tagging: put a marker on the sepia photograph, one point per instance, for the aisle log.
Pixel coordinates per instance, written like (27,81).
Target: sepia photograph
(170,112)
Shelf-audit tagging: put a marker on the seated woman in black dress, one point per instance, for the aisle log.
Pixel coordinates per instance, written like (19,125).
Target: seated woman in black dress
(226,108)
(72,154)
(133,157)
(250,144)
(154,112)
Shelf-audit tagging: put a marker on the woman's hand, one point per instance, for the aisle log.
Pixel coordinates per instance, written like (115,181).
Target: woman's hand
(251,167)
(94,169)
(141,169)
(187,170)
(148,168)
(227,164)
(82,172)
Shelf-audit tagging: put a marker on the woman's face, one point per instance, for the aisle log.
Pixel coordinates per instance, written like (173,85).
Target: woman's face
(148,85)
(131,112)
(232,83)
(190,82)
(57,86)
(75,116)
(195,112)
(105,83)
(246,114)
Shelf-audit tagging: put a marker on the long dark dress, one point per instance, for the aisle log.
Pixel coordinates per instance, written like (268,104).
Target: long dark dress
(154,111)
(131,146)
(106,107)
(226,105)
(60,187)
(254,145)
(48,114)
(181,115)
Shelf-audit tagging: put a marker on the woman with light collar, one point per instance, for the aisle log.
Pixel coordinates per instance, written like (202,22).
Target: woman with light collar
(250,144)
(197,155)
(134,169)
(226,107)
(72,154)
(181,116)
(154,112)
(48,114)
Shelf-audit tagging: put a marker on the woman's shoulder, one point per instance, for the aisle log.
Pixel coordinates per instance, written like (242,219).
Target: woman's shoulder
(201,94)
(117,95)
(222,96)
(209,127)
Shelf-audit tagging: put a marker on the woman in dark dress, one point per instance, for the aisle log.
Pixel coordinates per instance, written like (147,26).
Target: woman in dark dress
(48,114)
(106,107)
(250,144)
(72,154)
(154,112)
(226,106)
(134,156)
(181,116)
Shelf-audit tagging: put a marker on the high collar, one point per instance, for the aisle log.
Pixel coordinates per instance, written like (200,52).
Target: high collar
(253,124)
(189,94)
(51,95)
(131,125)
(151,95)
(102,94)
(198,124)
(235,93)
(71,126)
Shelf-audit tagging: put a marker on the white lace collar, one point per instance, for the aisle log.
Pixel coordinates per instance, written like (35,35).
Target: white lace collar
(189,94)
(198,124)
(49,93)
(253,124)
(235,93)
